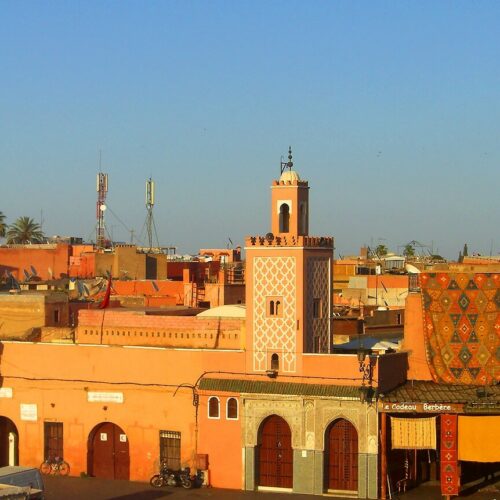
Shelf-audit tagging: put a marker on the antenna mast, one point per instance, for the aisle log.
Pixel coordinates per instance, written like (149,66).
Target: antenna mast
(102,189)
(150,201)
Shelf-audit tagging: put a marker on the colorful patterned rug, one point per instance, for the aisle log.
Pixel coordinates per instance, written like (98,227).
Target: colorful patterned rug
(462,326)
(450,473)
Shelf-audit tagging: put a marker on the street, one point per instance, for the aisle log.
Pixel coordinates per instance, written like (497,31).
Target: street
(75,488)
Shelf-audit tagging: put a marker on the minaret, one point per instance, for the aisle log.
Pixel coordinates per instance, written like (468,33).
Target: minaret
(288,282)
(289,202)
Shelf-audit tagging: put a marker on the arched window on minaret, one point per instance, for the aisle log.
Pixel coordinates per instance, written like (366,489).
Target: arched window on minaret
(284,218)
(271,308)
(278,307)
(275,362)
(303,229)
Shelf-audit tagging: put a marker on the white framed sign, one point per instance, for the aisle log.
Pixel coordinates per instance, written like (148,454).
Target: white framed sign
(104,436)
(29,412)
(6,392)
(104,397)
(123,438)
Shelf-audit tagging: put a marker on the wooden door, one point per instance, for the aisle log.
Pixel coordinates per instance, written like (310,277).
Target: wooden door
(275,454)
(109,452)
(9,446)
(341,456)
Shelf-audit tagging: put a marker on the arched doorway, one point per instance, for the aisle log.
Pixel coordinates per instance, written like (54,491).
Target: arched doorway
(9,442)
(341,456)
(275,454)
(108,452)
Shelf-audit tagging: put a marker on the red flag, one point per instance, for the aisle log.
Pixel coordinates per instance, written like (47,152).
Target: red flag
(105,302)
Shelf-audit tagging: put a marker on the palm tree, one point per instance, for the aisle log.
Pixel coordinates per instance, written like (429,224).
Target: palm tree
(381,250)
(3,226)
(25,230)
(409,251)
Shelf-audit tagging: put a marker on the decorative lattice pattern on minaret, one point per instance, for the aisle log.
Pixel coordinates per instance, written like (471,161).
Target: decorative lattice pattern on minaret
(317,276)
(274,276)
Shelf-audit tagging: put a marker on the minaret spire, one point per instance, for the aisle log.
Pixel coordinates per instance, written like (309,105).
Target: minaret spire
(287,164)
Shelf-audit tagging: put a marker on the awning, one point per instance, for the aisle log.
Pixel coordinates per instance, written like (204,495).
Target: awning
(413,433)
(479,439)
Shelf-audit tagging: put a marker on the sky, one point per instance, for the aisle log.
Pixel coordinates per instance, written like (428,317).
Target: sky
(392,110)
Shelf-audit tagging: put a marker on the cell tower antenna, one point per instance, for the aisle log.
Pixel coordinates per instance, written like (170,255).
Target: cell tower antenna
(150,201)
(102,189)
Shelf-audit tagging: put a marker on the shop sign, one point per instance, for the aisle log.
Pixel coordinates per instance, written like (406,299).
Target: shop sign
(422,407)
(105,397)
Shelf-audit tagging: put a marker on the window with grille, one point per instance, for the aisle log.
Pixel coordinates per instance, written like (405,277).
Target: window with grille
(232,409)
(170,449)
(53,439)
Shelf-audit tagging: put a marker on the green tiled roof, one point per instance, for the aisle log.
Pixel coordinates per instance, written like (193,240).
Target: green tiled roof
(476,397)
(279,388)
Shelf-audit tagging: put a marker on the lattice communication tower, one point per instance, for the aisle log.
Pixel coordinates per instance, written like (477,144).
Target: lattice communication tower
(102,189)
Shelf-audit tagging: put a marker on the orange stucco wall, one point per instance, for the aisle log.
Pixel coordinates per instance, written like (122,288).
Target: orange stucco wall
(167,292)
(46,259)
(414,339)
(123,327)
(57,379)
(221,439)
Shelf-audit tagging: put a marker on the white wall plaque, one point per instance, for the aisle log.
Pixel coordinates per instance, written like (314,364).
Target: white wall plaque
(28,412)
(123,438)
(6,392)
(104,436)
(105,397)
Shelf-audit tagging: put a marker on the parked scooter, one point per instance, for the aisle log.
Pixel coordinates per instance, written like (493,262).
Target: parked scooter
(170,477)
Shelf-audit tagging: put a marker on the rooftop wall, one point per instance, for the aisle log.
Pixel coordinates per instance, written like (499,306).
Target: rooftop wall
(50,260)
(134,328)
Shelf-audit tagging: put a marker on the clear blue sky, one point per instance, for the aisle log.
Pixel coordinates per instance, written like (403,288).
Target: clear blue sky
(392,110)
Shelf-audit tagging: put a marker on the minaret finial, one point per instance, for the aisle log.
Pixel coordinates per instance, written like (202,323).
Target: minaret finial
(287,164)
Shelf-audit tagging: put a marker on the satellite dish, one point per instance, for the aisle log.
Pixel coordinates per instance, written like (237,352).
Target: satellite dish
(412,269)
(79,285)
(26,275)
(269,236)
(85,287)
(102,207)
(33,270)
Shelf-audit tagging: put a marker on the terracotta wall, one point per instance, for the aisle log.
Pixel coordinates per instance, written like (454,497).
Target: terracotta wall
(413,341)
(132,328)
(45,258)
(146,377)
(168,293)
(221,440)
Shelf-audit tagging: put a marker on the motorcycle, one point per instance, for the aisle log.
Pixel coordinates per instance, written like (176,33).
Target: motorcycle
(170,477)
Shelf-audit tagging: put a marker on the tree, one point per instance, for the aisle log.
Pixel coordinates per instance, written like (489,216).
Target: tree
(3,226)
(409,251)
(24,230)
(381,250)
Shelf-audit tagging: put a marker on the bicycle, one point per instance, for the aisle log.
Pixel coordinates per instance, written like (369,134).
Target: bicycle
(56,466)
